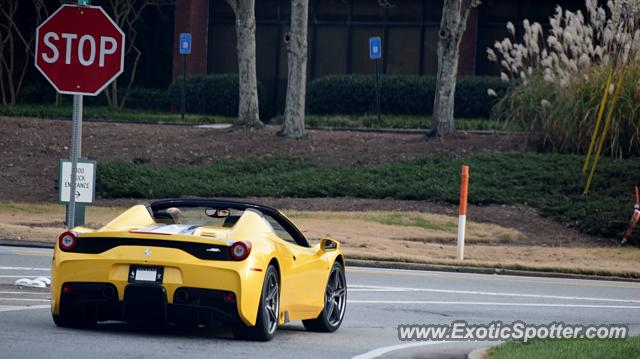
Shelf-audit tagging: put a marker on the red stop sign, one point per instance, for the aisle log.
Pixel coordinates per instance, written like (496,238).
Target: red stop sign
(79,49)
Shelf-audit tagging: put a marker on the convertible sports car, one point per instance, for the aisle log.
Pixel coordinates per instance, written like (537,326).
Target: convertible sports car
(199,262)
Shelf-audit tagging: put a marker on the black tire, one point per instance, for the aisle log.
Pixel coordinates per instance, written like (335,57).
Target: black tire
(335,303)
(66,321)
(268,312)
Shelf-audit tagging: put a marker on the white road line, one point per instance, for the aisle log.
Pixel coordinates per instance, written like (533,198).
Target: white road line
(435,302)
(384,350)
(26,299)
(497,278)
(9,308)
(369,288)
(18,276)
(8,249)
(26,293)
(25,268)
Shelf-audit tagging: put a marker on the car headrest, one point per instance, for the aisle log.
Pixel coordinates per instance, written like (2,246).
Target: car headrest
(230,221)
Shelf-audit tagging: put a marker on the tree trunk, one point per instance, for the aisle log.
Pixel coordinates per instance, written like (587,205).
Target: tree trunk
(452,27)
(114,94)
(248,111)
(2,89)
(296,39)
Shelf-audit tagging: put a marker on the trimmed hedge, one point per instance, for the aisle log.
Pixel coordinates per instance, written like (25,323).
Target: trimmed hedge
(212,95)
(332,95)
(139,98)
(399,95)
(37,93)
(148,99)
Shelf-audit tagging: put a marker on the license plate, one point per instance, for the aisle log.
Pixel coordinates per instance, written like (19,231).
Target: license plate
(145,274)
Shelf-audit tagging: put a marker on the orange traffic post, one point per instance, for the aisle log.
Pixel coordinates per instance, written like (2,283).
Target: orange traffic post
(462,213)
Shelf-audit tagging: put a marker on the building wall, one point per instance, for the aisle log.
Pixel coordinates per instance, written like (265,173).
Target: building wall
(191,16)
(338,37)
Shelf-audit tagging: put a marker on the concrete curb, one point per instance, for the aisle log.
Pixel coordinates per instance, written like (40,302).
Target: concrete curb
(403,265)
(25,243)
(480,353)
(480,270)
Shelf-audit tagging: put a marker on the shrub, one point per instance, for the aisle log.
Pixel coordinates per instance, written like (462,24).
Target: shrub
(139,98)
(561,79)
(550,183)
(150,99)
(36,92)
(562,119)
(212,95)
(399,95)
(472,99)
(39,93)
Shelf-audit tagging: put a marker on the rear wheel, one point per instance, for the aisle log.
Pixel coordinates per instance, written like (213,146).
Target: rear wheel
(267,321)
(335,303)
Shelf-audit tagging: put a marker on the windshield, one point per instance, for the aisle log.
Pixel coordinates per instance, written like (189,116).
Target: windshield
(198,216)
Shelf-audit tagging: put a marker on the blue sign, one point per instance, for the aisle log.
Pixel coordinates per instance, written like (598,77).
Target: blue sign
(185,43)
(375,48)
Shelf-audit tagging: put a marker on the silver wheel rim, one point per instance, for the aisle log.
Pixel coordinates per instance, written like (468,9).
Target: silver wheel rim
(335,297)
(271,302)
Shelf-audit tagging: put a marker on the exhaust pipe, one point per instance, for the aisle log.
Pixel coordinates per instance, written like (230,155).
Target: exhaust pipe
(181,296)
(108,292)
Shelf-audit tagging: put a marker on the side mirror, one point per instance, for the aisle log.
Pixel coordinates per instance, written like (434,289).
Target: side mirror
(328,244)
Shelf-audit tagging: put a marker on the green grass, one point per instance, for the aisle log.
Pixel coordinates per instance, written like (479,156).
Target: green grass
(395,122)
(550,183)
(568,349)
(103,113)
(408,220)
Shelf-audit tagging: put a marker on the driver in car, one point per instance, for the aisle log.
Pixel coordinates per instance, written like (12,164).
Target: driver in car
(175,213)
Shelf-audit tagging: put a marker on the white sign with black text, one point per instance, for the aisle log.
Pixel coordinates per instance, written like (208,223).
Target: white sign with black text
(85,181)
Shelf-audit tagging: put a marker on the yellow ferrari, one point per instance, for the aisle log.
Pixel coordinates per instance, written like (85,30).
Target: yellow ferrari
(199,262)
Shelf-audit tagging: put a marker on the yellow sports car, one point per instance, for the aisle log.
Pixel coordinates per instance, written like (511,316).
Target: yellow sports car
(199,262)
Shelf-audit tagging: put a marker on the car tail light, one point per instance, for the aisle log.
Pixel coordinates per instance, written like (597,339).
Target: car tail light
(66,289)
(240,250)
(230,297)
(67,241)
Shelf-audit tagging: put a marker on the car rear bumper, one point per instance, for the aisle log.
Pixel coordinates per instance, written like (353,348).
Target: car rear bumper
(180,270)
(148,304)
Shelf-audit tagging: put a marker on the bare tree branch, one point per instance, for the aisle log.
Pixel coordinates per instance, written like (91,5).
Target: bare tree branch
(127,14)
(13,73)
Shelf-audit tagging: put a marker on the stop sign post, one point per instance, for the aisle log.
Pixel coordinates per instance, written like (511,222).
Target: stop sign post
(80,51)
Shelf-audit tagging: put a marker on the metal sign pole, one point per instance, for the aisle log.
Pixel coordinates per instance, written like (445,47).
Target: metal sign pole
(378,93)
(184,83)
(76,149)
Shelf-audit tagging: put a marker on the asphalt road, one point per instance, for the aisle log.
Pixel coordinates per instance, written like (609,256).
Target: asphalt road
(379,300)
